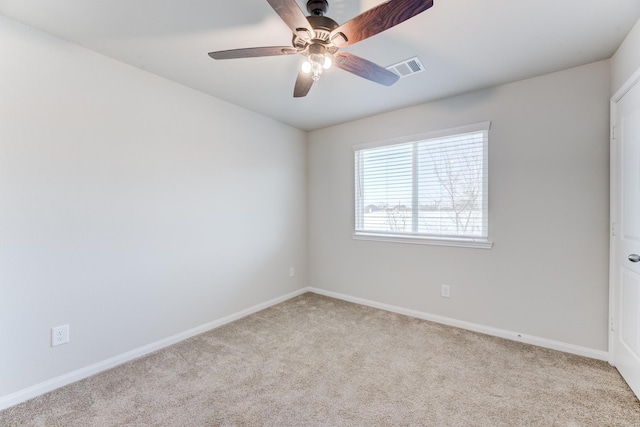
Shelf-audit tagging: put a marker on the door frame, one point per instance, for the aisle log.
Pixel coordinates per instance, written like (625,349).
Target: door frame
(613,194)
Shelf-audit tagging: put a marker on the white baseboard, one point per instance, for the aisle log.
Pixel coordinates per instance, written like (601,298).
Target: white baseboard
(77,375)
(501,333)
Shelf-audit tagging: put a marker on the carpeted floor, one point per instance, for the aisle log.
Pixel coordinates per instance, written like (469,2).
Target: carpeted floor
(318,361)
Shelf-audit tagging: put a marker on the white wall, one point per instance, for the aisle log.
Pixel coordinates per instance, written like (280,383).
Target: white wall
(626,60)
(131,208)
(547,275)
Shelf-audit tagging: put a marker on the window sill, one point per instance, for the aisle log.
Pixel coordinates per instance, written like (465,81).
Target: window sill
(421,240)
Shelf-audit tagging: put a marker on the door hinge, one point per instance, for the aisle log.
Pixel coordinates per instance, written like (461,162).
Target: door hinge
(613,228)
(614,134)
(612,324)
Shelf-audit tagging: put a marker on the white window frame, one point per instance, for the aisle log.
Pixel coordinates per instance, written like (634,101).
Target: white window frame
(428,239)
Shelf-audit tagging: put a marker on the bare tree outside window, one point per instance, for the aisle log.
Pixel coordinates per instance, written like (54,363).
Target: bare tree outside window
(397,217)
(454,182)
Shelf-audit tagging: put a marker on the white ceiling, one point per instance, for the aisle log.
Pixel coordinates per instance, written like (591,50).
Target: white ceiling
(464,45)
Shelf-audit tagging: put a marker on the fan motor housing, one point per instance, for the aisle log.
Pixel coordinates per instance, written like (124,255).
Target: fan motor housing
(322,27)
(317,7)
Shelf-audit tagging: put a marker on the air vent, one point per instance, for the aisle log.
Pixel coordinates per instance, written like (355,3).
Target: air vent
(407,68)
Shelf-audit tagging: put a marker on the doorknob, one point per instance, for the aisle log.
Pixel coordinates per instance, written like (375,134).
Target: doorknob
(634,257)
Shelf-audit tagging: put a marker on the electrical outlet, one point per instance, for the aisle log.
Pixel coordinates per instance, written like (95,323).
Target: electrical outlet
(59,335)
(292,271)
(445,291)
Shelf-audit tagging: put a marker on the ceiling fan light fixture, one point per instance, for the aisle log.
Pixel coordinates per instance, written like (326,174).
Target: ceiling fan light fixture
(316,64)
(327,62)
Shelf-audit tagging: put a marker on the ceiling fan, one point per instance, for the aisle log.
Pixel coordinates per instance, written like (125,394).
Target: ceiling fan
(319,38)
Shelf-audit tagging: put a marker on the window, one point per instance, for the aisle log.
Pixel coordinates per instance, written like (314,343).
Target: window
(429,188)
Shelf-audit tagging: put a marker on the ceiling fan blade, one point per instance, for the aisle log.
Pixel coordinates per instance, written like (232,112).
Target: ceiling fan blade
(252,52)
(293,16)
(303,84)
(376,20)
(364,68)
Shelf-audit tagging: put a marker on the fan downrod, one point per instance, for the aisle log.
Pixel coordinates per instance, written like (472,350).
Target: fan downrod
(317,7)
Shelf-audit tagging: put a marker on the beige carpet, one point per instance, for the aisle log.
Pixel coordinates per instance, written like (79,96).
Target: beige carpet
(317,361)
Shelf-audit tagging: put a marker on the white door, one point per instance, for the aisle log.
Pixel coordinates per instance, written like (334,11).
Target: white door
(625,243)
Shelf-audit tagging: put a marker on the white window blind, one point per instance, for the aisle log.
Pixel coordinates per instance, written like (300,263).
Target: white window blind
(428,186)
